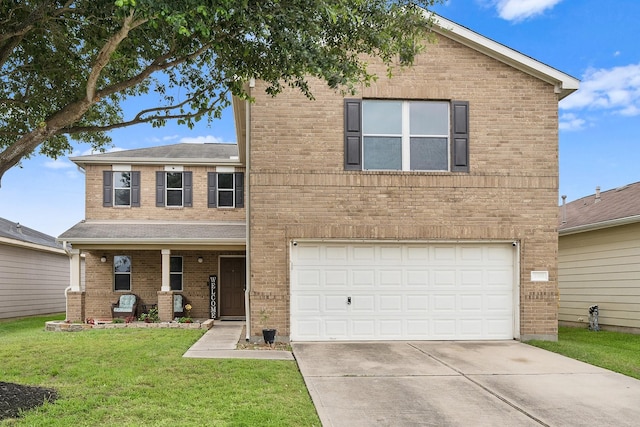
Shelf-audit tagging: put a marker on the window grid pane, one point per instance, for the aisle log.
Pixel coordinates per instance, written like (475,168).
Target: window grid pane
(122,273)
(429,154)
(382,153)
(174,197)
(225,198)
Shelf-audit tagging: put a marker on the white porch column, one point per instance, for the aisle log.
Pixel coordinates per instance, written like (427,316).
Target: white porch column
(166,269)
(75,276)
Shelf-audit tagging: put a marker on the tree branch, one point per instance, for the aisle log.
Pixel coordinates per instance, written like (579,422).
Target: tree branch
(139,118)
(104,56)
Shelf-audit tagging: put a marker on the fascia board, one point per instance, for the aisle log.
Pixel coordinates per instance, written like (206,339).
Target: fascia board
(600,225)
(564,83)
(155,161)
(153,241)
(33,246)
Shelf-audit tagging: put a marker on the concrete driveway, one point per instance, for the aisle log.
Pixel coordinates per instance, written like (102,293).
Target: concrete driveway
(504,383)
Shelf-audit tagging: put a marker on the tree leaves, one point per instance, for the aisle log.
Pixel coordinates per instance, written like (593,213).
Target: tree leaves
(66,66)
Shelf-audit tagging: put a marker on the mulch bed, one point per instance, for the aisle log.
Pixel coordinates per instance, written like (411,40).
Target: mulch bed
(15,398)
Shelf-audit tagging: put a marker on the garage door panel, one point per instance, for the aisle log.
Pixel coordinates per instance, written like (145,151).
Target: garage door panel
(390,303)
(390,278)
(444,303)
(401,291)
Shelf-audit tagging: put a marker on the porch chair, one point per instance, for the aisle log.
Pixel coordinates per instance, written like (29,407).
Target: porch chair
(179,301)
(126,306)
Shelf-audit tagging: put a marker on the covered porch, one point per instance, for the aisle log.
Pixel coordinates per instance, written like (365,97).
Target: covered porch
(202,262)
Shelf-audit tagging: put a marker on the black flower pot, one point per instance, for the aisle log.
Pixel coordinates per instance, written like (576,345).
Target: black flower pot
(269,335)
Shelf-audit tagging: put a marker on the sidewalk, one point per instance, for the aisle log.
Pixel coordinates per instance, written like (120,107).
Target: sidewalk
(220,342)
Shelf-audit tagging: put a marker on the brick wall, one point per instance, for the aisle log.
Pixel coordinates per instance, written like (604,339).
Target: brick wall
(299,188)
(148,209)
(146,279)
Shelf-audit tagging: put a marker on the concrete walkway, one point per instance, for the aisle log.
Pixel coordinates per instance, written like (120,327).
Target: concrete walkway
(220,342)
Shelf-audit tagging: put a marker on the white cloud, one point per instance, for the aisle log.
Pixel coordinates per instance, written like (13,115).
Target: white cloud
(164,138)
(207,139)
(518,10)
(571,122)
(615,89)
(61,163)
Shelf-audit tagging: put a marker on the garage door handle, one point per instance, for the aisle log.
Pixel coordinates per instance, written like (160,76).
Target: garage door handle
(348,300)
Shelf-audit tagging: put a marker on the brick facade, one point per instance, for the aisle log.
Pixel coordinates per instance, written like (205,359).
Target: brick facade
(148,210)
(146,279)
(299,188)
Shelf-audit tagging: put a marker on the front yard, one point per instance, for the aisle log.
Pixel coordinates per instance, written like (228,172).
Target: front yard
(615,351)
(132,377)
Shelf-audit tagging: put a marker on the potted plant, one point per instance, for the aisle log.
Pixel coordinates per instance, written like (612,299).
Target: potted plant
(268,334)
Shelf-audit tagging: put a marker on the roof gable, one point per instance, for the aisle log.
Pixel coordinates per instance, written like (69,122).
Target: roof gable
(20,234)
(564,84)
(602,209)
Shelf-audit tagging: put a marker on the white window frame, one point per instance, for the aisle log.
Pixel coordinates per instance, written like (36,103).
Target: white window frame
(167,189)
(177,273)
(406,136)
(128,273)
(116,188)
(232,190)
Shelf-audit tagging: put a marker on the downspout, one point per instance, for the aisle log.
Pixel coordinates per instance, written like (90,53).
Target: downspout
(247,187)
(68,288)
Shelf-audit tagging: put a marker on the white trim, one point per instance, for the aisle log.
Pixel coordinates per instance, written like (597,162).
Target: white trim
(121,168)
(174,168)
(599,225)
(225,169)
(34,246)
(564,84)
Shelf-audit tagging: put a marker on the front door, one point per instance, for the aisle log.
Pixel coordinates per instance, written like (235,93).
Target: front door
(232,283)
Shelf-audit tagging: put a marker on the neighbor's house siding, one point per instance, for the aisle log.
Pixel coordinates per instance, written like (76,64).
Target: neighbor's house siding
(32,281)
(601,267)
(299,188)
(95,210)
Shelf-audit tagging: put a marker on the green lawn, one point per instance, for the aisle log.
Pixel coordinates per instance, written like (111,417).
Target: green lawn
(135,377)
(615,351)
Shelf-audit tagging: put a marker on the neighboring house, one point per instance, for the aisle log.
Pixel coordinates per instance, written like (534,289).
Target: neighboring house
(599,259)
(34,272)
(422,208)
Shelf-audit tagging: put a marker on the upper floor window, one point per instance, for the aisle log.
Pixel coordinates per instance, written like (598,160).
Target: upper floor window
(121,188)
(122,272)
(174,189)
(406,135)
(226,190)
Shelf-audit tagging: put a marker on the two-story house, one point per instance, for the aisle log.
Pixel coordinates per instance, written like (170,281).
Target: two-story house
(422,208)
(160,221)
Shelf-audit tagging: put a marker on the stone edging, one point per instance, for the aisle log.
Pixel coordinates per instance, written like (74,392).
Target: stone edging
(62,326)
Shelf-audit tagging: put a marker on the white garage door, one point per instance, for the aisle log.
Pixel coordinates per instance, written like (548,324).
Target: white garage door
(380,291)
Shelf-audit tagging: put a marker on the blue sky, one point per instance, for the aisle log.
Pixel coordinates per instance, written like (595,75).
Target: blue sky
(592,40)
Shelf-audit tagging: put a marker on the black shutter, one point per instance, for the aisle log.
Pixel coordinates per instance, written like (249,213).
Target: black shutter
(212,181)
(352,134)
(239,189)
(160,188)
(135,189)
(107,189)
(187,185)
(460,136)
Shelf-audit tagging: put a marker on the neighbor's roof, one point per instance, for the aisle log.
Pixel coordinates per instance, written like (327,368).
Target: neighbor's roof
(16,234)
(564,83)
(176,154)
(613,207)
(93,232)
